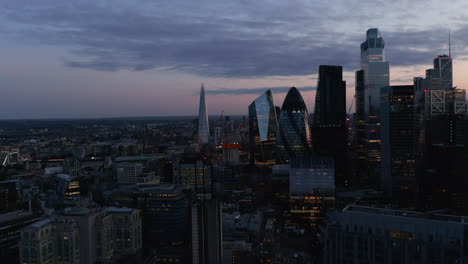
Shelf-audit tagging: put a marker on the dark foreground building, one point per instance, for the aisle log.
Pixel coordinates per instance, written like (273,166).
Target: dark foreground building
(377,235)
(329,131)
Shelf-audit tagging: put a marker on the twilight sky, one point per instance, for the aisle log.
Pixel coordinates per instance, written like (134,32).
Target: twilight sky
(109,58)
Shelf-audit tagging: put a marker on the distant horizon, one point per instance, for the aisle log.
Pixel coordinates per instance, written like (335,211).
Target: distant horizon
(115,117)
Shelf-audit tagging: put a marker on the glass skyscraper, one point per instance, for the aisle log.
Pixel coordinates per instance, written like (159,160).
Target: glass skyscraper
(398,172)
(294,137)
(329,131)
(376,76)
(330,100)
(203,125)
(263,127)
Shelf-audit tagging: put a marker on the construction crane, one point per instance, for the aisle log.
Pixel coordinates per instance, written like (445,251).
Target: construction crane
(221,116)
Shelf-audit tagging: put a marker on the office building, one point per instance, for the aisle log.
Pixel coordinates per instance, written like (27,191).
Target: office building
(166,218)
(127,230)
(441,131)
(82,235)
(382,235)
(231,153)
(192,170)
(134,173)
(8,196)
(67,185)
(37,244)
(309,173)
(207,232)
(10,232)
(330,99)
(294,136)
(360,114)
(263,128)
(312,189)
(224,176)
(65,241)
(376,76)
(329,130)
(398,171)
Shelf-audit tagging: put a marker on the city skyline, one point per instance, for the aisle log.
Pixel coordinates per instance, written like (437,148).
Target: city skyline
(59,65)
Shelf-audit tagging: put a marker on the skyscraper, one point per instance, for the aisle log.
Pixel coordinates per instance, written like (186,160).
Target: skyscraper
(376,76)
(330,100)
(294,137)
(329,131)
(441,130)
(203,125)
(398,173)
(360,116)
(207,232)
(263,127)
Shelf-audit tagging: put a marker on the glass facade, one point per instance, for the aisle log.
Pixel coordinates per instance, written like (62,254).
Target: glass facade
(203,125)
(294,137)
(376,76)
(398,149)
(360,117)
(194,172)
(263,127)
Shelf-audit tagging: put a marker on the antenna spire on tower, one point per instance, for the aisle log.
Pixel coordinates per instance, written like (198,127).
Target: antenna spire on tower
(450,45)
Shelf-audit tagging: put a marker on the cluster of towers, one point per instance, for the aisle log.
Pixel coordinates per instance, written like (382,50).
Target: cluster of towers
(398,136)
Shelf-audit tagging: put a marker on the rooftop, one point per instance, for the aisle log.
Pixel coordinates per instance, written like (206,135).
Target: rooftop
(42,223)
(120,210)
(411,214)
(139,158)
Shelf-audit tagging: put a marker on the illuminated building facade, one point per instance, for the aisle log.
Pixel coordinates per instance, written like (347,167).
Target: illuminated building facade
(67,185)
(312,189)
(376,76)
(398,172)
(263,128)
(294,136)
(192,170)
(381,235)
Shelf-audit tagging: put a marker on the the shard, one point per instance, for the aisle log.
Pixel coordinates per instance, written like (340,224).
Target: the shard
(203,125)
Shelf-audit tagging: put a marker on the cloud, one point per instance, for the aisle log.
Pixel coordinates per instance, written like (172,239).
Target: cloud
(259,91)
(215,39)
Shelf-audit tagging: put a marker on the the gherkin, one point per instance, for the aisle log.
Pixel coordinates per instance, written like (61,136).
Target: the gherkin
(294,138)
